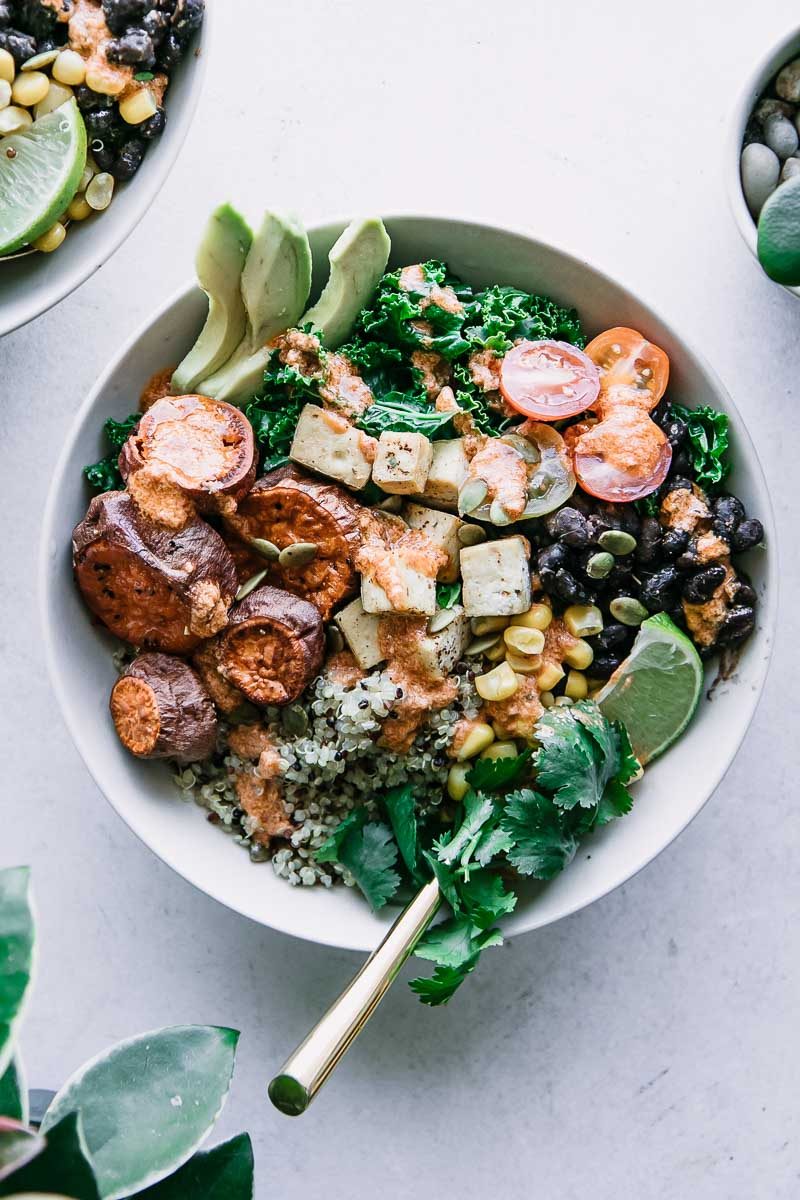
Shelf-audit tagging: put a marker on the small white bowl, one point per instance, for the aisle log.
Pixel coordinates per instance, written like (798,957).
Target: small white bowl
(787,49)
(32,283)
(673,790)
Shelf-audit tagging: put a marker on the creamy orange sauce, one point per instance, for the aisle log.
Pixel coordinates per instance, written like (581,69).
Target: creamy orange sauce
(705,620)
(710,549)
(684,510)
(434,371)
(516,717)
(461,731)
(505,473)
(412,279)
(156,388)
(343,388)
(89,35)
(159,499)
(558,641)
(249,740)
(209,612)
(400,641)
(484,369)
(343,669)
(261,799)
(626,438)
(385,566)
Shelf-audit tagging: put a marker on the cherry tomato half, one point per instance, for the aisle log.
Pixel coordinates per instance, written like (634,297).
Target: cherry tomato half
(623,457)
(631,368)
(549,380)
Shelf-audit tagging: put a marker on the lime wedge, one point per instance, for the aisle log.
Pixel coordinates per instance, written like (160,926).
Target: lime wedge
(656,690)
(40,177)
(779,234)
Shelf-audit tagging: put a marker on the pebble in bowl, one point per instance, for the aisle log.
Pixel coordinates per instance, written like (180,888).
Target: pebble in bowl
(507,594)
(92,93)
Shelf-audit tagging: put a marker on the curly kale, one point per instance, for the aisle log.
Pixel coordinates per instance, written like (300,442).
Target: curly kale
(275,410)
(104,476)
(709,442)
(506,314)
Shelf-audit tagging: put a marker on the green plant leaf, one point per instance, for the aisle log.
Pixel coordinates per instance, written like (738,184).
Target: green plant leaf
(16,954)
(61,1165)
(224,1173)
(148,1103)
(14,1093)
(18,1144)
(401,808)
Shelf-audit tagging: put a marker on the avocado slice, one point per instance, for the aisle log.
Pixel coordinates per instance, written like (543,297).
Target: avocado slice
(357,259)
(219,263)
(275,284)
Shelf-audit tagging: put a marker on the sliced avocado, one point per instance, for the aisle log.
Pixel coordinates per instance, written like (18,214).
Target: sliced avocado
(220,259)
(358,259)
(275,284)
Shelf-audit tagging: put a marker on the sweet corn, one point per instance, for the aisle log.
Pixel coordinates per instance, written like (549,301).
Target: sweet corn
(79,210)
(579,656)
(107,85)
(523,640)
(8,68)
(500,750)
(497,652)
(498,684)
(524,664)
(100,191)
(139,107)
(583,620)
(479,737)
(29,88)
(563,701)
(457,786)
(576,686)
(482,625)
(547,699)
(52,239)
(549,676)
(538,616)
(5,93)
(58,94)
(69,68)
(13,119)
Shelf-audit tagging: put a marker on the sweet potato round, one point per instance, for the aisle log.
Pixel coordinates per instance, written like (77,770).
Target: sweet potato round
(160,709)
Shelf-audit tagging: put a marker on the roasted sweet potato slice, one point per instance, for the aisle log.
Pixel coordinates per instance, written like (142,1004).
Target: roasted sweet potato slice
(273,646)
(153,588)
(160,709)
(287,507)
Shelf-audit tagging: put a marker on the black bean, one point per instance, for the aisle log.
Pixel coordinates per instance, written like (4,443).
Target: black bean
(566,587)
(677,614)
(36,18)
(569,527)
(104,155)
(681,462)
(738,624)
(155,24)
(595,525)
(170,52)
(5,14)
(120,14)
(748,534)
(678,483)
(134,48)
(649,540)
(657,592)
(129,159)
(701,587)
(686,561)
(673,543)
(20,46)
(101,123)
(187,19)
(675,429)
(87,99)
(745,594)
(728,512)
(550,560)
(154,126)
(613,635)
(605,664)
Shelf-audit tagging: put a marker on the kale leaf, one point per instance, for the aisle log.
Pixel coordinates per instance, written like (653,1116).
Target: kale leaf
(709,443)
(104,476)
(506,314)
(397,412)
(274,412)
(447,594)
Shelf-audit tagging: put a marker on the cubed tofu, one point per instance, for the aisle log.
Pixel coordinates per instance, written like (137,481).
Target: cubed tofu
(326,443)
(442,528)
(360,631)
(447,474)
(412,590)
(441,651)
(496,578)
(402,463)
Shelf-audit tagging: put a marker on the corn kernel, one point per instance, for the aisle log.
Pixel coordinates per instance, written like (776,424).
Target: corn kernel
(13,119)
(482,625)
(52,239)
(563,701)
(497,684)
(538,616)
(5,93)
(547,699)
(576,686)
(29,88)
(69,68)
(98,80)
(549,676)
(583,620)
(58,94)
(501,750)
(479,737)
(100,191)
(138,108)
(579,656)
(457,786)
(524,664)
(524,641)
(497,652)
(79,210)
(8,68)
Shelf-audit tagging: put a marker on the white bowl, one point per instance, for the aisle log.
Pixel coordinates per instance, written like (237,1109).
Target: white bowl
(32,283)
(768,66)
(79,654)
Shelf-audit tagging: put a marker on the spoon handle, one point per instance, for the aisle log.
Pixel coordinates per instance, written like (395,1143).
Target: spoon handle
(305,1071)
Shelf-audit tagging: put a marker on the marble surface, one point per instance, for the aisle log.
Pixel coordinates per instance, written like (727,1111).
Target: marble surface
(648,1046)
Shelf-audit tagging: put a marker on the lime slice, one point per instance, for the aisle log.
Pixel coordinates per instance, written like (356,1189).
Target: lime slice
(779,234)
(40,177)
(656,690)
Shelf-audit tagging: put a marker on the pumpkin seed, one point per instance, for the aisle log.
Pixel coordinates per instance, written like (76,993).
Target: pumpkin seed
(40,60)
(499,514)
(627,610)
(299,554)
(483,625)
(295,721)
(471,535)
(482,644)
(441,619)
(599,565)
(472,495)
(391,504)
(251,584)
(617,541)
(265,548)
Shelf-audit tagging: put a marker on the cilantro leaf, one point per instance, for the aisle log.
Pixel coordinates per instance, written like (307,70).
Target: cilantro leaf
(709,442)
(565,763)
(493,842)
(401,809)
(444,876)
(493,774)
(369,855)
(485,898)
(455,947)
(443,984)
(543,845)
(478,810)
(447,594)
(330,849)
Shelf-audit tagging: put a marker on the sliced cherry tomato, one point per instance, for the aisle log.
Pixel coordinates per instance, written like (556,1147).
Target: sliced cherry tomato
(549,380)
(624,457)
(631,368)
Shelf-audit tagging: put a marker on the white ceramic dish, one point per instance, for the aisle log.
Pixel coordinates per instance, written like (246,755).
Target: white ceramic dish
(787,49)
(79,654)
(33,283)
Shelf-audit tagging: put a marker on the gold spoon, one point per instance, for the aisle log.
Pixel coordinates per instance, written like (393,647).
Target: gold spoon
(305,1071)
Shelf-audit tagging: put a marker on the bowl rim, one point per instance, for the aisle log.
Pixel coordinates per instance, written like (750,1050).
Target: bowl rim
(79,730)
(15,316)
(770,62)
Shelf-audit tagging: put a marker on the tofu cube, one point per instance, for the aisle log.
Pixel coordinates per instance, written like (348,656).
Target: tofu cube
(447,474)
(413,590)
(496,578)
(402,463)
(441,651)
(326,443)
(360,630)
(442,528)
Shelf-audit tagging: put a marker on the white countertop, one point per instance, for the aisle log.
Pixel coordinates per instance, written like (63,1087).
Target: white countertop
(646,1047)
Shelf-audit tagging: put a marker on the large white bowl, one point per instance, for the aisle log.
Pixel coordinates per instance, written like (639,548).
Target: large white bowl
(79,654)
(766,68)
(32,283)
